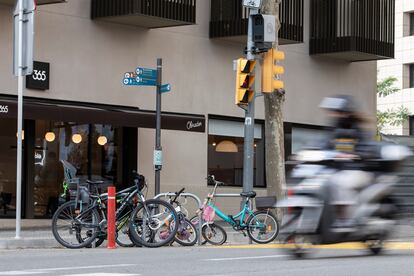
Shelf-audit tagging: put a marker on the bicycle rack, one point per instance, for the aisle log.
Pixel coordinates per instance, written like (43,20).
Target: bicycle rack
(197,199)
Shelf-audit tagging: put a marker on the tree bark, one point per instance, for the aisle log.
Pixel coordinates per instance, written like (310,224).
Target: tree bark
(274,133)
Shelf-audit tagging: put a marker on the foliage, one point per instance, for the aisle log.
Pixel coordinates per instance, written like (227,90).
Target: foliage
(386,87)
(393,117)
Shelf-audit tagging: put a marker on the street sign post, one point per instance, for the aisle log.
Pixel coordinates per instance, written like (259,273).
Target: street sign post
(152,77)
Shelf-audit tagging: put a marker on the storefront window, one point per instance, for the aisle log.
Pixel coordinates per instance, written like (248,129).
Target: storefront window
(225,153)
(8,168)
(87,150)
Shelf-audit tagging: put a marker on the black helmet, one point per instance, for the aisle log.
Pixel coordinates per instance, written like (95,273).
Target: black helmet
(342,103)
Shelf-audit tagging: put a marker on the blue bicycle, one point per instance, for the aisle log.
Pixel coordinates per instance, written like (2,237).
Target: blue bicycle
(261,226)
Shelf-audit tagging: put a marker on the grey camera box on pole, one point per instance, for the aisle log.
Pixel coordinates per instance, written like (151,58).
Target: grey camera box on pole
(264,28)
(28,35)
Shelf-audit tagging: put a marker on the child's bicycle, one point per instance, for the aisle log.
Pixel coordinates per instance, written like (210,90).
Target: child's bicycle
(261,226)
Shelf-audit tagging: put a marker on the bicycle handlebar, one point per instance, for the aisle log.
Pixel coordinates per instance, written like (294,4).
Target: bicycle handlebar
(177,194)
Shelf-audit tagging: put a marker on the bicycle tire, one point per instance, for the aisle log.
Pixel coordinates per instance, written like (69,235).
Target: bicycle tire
(179,238)
(63,211)
(215,228)
(250,229)
(194,221)
(149,240)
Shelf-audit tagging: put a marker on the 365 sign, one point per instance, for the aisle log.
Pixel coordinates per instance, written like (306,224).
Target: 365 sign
(39,80)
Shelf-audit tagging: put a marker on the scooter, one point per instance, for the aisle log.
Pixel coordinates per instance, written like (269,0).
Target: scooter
(310,214)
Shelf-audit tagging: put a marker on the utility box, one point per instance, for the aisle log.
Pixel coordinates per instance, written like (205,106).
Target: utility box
(264,28)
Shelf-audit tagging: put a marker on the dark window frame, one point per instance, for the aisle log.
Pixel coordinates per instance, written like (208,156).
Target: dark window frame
(411,14)
(236,119)
(411,75)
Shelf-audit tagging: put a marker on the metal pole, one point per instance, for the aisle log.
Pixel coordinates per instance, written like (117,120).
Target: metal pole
(248,158)
(158,125)
(19,124)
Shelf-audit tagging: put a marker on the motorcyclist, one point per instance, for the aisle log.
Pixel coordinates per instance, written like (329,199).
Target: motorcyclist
(347,138)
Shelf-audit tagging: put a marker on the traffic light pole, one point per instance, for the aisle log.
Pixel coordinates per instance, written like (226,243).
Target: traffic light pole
(248,158)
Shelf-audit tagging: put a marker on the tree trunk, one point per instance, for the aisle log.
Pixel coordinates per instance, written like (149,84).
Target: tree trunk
(274,134)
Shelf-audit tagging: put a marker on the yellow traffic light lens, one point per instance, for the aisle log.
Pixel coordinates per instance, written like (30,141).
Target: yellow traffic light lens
(278,70)
(278,55)
(278,84)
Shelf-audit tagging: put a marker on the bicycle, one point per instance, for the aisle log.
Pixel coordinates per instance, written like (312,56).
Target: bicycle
(187,234)
(261,226)
(84,219)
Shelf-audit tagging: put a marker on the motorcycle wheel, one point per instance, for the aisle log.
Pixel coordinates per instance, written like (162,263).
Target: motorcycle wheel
(299,246)
(375,246)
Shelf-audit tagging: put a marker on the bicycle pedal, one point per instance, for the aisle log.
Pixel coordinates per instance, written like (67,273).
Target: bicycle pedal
(244,233)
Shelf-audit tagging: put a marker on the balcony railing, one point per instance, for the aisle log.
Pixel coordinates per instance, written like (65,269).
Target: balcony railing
(146,13)
(38,2)
(354,30)
(229,20)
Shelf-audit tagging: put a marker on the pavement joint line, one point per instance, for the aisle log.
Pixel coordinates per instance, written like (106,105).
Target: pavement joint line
(354,245)
(42,270)
(245,258)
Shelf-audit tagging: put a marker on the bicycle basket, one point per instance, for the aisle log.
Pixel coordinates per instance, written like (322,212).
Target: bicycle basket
(208,214)
(265,202)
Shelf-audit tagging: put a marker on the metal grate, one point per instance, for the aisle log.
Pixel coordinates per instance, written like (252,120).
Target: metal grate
(365,26)
(178,10)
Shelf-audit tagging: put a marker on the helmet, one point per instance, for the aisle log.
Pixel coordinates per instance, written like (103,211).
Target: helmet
(342,103)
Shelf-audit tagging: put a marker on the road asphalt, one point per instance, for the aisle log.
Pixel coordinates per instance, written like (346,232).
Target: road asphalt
(212,261)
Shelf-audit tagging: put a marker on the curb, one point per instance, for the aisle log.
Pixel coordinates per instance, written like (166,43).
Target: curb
(26,243)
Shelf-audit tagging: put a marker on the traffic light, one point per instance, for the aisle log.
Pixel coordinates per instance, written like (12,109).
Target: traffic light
(271,71)
(244,81)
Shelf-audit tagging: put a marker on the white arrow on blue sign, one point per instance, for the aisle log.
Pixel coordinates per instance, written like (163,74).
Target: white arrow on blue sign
(146,73)
(139,81)
(165,88)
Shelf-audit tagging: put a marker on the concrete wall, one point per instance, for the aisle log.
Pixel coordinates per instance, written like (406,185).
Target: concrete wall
(88,59)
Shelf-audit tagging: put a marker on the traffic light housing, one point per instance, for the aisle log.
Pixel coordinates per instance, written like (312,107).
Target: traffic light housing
(244,81)
(271,71)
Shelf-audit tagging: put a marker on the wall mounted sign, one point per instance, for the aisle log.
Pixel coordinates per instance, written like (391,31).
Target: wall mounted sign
(39,80)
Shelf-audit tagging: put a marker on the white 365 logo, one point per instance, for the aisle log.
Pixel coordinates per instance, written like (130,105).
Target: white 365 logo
(4,109)
(39,75)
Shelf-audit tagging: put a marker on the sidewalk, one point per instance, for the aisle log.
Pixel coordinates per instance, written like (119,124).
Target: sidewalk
(38,234)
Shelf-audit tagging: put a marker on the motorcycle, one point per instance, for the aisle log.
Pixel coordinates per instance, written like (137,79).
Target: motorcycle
(310,214)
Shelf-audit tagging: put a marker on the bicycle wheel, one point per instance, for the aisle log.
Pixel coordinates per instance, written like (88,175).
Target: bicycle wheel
(153,223)
(262,227)
(187,234)
(214,234)
(74,229)
(123,237)
(194,221)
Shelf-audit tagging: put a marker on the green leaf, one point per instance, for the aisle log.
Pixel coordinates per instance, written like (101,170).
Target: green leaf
(386,87)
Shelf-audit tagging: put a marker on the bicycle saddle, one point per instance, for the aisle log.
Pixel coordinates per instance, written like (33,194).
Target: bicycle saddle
(94,182)
(251,194)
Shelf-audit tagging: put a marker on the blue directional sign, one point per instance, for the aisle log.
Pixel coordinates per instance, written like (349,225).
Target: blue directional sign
(165,88)
(146,73)
(132,79)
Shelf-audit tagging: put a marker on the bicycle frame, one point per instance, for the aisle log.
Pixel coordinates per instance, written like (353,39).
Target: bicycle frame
(233,219)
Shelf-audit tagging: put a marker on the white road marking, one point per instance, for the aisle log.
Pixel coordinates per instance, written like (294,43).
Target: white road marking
(103,274)
(246,258)
(43,270)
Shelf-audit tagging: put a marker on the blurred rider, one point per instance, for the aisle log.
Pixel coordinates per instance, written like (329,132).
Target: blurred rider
(346,138)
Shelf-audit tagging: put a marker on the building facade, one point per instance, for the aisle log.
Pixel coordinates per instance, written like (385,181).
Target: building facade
(87,124)
(402,67)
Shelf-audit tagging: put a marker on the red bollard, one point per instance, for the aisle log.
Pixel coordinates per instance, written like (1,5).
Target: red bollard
(111,205)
